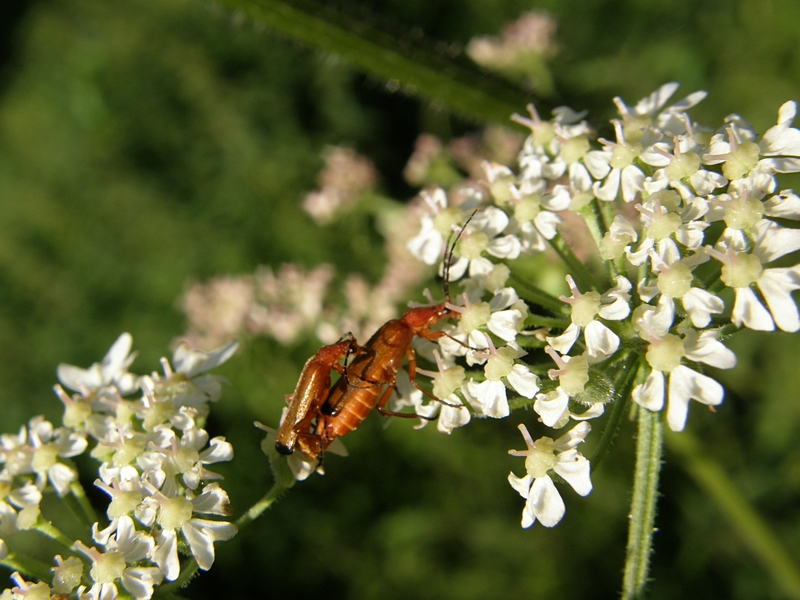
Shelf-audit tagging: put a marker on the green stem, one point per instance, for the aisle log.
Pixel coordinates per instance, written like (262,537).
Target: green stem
(188,571)
(541,321)
(29,568)
(594,222)
(408,62)
(649,444)
(79,494)
(533,294)
(277,490)
(579,272)
(751,528)
(621,402)
(47,529)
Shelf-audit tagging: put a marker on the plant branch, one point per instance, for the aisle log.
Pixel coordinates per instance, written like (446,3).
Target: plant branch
(649,444)
(407,62)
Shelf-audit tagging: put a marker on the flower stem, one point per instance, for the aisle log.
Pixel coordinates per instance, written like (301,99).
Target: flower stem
(47,529)
(29,567)
(576,268)
(188,571)
(533,294)
(594,221)
(278,488)
(540,321)
(752,529)
(79,494)
(649,444)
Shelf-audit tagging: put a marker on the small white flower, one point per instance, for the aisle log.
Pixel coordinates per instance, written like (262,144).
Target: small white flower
(176,514)
(740,270)
(665,355)
(66,574)
(482,235)
(601,342)
(111,371)
(26,590)
(125,546)
(553,409)
(489,397)
(187,385)
(543,500)
(447,380)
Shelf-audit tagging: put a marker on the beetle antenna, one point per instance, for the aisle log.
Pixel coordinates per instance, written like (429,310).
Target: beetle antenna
(450,248)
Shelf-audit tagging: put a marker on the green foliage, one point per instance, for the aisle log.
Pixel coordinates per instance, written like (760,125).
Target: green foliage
(145,145)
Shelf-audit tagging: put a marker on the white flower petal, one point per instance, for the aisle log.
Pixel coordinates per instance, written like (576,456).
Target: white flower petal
(487,398)
(544,502)
(201,535)
(452,417)
(785,205)
(782,139)
(684,385)
(523,381)
(597,162)
(748,310)
(140,581)
(595,410)
(491,220)
(521,484)
(301,467)
(75,379)
(700,305)
(620,305)
(117,357)
(706,348)
(575,469)
(573,437)
(503,298)
(650,394)
(428,244)
(607,190)
(504,324)
(551,409)
(61,476)
(547,223)
(774,241)
(507,246)
(218,451)
(777,286)
(600,340)
(632,180)
(166,554)
(480,266)
(194,362)
(213,501)
(457,269)
(564,342)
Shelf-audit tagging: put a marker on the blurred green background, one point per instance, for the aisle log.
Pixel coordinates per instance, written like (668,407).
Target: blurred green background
(147,144)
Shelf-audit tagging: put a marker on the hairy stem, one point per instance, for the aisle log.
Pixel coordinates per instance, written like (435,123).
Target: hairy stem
(649,444)
(263,504)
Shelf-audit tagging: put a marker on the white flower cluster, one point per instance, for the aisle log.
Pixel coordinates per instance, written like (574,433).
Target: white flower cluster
(153,454)
(710,224)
